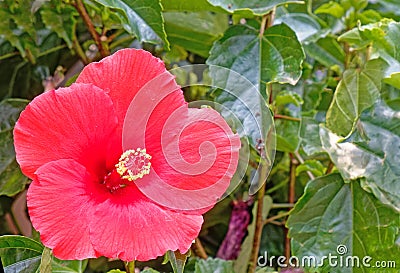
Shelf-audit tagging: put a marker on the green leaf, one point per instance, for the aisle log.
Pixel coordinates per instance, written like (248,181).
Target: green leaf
(309,135)
(287,135)
(305,26)
(333,215)
(177,260)
(384,36)
(326,51)
(9,112)
(332,8)
(371,152)
(45,261)
(256,7)
(286,96)
(311,165)
(72,266)
(20,254)
(12,180)
(140,18)
(191,6)
(354,93)
(214,266)
(195,31)
(61,22)
(17,27)
(277,56)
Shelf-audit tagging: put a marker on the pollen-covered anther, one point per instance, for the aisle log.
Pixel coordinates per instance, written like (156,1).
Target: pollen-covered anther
(134,164)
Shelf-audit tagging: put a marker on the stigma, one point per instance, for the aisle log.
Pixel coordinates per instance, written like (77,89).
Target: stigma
(133,164)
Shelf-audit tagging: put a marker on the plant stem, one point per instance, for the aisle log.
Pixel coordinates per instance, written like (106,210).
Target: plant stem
(276,217)
(259,219)
(78,49)
(281,206)
(291,197)
(130,267)
(51,50)
(277,116)
(199,249)
(80,7)
(301,160)
(330,167)
(9,55)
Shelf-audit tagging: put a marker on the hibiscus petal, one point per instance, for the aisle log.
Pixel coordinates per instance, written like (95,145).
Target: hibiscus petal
(77,123)
(123,74)
(60,207)
(192,162)
(129,226)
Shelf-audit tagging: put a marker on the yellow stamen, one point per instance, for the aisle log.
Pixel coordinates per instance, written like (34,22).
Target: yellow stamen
(134,164)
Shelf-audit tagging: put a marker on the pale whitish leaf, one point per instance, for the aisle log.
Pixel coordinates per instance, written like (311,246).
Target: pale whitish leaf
(371,152)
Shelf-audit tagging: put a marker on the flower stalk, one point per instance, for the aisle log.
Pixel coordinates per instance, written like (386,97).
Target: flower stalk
(80,7)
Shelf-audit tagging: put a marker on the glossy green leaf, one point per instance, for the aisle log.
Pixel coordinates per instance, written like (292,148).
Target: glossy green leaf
(140,18)
(177,260)
(191,6)
(309,135)
(326,51)
(305,26)
(285,97)
(195,31)
(252,6)
(277,56)
(72,266)
(384,37)
(12,180)
(391,5)
(313,166)
(341,219)
(287,135)
(20,254)
(372,152)
(214,265)
(355,92)
(332,8)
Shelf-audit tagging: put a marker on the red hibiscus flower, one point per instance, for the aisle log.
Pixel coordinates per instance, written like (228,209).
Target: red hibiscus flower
(121,167)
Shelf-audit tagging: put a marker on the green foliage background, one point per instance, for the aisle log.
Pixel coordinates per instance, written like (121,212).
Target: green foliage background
(329,71)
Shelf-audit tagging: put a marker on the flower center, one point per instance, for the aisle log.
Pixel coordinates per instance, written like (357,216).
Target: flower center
(134,164)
